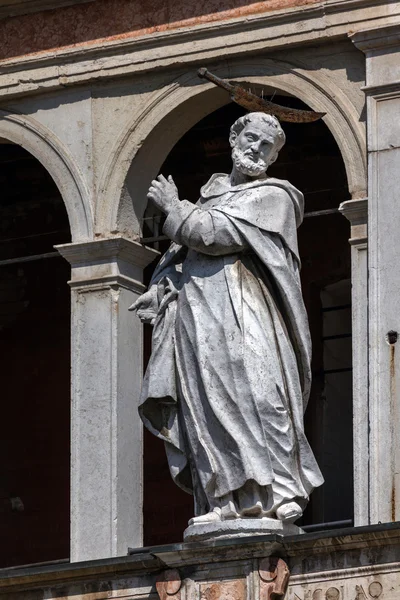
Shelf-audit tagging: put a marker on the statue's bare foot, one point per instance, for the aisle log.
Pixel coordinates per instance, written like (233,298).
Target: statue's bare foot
(289,512)
(211,517)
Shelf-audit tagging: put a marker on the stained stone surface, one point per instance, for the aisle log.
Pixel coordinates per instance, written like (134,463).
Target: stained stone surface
(236,528)
(360,563)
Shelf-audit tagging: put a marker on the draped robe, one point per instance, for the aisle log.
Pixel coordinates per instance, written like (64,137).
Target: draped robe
(229,374)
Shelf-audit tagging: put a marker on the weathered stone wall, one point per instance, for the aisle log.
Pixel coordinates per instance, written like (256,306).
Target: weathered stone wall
(102,116)
(119,19)
(361,564)
(102,142)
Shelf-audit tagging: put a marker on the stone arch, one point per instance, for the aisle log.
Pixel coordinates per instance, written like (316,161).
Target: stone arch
(44,146)
(143,146)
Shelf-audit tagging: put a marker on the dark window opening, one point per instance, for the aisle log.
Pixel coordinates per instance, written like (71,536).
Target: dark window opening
(35,361)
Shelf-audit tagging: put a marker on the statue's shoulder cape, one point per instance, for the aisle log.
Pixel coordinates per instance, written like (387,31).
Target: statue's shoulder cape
(270,204)
(256,210)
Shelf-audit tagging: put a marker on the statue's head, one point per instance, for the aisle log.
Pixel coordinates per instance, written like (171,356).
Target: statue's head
(256,140)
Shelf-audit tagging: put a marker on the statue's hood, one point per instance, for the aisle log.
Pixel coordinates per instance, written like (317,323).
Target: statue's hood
(219,184)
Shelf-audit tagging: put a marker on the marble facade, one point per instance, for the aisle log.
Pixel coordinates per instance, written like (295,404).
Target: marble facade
(97,117)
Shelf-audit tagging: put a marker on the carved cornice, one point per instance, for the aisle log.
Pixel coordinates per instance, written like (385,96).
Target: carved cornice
(328,20)
(380,37)
(327,548)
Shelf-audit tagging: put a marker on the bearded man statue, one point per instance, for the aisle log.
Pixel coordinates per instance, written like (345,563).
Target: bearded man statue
(229,375)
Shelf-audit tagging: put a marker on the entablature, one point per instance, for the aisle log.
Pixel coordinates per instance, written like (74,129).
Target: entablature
(100,60)
(359,562)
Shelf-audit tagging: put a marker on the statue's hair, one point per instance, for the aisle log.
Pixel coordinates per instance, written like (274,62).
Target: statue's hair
(270,120)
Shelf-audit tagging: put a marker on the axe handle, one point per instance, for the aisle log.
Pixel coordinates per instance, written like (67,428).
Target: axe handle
(205,74)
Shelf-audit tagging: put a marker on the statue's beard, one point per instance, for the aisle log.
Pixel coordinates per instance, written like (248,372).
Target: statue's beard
(246,165)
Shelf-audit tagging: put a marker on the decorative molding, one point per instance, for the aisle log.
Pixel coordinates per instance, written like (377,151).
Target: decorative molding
(377,38)
(347,573)
(356,211)
(328,20)
(377,540)
(106,250)
(106,282)
(107,263)
(12,8)
(383,91)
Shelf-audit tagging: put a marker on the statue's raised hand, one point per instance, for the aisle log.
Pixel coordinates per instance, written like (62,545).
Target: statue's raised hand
(146,306)
(163,193)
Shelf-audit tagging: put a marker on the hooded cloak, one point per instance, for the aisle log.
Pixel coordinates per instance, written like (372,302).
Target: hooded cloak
(229,375)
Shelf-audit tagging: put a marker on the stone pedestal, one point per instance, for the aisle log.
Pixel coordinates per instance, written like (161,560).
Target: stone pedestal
(238,528)
(107,370)
(382,49)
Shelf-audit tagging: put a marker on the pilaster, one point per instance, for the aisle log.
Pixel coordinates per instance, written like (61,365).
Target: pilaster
(356,212)
(382,50)
(107,370)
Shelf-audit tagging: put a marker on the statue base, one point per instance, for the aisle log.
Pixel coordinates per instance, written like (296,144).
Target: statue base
(236,528)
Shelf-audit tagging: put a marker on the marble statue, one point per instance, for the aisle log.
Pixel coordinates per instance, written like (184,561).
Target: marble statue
(229,374)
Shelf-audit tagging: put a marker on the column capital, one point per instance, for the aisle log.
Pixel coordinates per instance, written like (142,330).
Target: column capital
(356,211)
(381,47)
(107,262)
(368,40)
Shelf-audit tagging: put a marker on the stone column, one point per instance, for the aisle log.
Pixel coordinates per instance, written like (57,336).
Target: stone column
(382,49)
(107,370)
(356,212)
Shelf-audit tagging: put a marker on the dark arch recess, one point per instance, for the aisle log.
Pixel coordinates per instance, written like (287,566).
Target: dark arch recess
(35,351)
(311,161)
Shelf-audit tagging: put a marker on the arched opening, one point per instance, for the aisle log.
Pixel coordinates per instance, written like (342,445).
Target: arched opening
(311,161)
(35,351)
(141,147)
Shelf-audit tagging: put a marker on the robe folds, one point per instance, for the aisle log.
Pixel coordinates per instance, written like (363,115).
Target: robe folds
(229,375)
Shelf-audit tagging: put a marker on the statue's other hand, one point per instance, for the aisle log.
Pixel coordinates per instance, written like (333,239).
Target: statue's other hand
(146,306)
(163,193)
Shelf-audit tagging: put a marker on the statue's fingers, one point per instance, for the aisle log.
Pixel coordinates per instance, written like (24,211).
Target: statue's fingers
(172,183)
(153,191)
(156,185)
(162,179)
(135,305)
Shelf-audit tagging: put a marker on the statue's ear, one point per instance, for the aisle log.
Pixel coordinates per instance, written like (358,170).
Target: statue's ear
(232,138)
